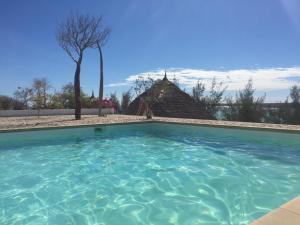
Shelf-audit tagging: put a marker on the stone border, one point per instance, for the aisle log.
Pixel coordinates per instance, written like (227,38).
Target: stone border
(49,122)
(287,214)
(72,126)
(232,124)
(52,112)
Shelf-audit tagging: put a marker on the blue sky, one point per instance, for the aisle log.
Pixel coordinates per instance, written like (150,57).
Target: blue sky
(193,39)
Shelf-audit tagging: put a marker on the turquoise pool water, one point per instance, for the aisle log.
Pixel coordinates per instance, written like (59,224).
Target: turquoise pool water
(155,174)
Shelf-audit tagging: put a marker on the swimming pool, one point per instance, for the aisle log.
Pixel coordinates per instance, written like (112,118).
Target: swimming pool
(150,173)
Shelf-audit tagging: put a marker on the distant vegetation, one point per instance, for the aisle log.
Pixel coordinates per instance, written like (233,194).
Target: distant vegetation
(243,107)
(41,95)
(212,100)
(125,101)
(289,111)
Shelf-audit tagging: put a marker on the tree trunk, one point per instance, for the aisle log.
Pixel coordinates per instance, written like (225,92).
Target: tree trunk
(77,89)
(101,81)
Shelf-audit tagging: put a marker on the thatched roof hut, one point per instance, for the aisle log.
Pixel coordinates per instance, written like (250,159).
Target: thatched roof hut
(166,99)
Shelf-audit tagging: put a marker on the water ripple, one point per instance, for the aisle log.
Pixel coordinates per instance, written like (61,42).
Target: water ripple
(155,174)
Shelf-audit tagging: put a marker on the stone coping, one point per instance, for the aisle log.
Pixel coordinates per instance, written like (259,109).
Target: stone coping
(232,124)
(42,122)
(287,214)
(11,124)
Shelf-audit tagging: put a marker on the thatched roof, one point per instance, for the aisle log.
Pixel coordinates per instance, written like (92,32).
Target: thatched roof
(167,100)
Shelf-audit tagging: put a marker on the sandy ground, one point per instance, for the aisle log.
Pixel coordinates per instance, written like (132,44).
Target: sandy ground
(16,123)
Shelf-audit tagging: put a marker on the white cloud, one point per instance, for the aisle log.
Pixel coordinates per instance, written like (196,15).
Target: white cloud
(268,79)
(118,84)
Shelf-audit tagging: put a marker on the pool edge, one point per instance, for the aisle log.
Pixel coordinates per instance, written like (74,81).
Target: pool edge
(167,120)
(286,214)
(69,126)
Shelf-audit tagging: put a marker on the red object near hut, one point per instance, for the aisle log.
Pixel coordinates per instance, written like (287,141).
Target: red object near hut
(106,103)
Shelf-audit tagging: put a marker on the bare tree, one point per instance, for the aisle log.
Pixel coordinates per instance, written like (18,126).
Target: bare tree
(141,84)
(198,92)
(295,96)
(23,95)
(246,107)
(102,38)
(114,99)
(211,101)
(126,98)
(75,35)
(39,93)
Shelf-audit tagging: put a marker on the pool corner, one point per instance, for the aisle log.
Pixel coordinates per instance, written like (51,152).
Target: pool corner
(287,214)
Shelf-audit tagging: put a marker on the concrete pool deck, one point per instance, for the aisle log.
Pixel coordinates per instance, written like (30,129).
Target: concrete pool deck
(32,122)
(287,214)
